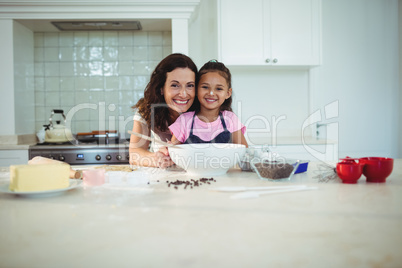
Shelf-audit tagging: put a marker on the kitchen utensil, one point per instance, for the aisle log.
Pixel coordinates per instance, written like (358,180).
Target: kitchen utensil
(207,159)
(255,194)
(243,189)
(377,169)
(93,176)
(349,171)
(57,133)
(280,170)
(153,140)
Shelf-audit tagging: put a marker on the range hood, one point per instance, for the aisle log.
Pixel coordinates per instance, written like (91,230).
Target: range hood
(97,25)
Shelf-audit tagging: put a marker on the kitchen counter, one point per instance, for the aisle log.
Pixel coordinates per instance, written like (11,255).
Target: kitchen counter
(130,223)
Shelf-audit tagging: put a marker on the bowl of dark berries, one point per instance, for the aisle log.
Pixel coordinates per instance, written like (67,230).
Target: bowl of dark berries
(275,169)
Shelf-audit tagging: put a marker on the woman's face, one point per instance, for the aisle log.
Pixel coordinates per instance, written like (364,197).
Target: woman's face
(179,90)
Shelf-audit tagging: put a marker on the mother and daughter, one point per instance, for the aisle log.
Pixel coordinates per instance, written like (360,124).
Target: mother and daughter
(181,105)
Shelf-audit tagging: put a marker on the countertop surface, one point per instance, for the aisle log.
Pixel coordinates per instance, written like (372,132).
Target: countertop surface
(129,223)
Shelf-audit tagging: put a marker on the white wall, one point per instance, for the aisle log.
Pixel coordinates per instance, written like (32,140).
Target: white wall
(7,79)
(360,70)
(400,76)
(358,80)
(23,79)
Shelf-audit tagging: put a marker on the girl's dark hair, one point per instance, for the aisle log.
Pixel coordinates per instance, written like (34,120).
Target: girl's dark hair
(153,91)
(219,67)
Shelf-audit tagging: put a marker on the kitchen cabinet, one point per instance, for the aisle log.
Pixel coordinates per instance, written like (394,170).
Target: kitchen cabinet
(13,157)
(269,32)
(322,152)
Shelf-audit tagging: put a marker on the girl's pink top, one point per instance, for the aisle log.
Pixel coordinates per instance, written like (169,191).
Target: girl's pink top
(205,131)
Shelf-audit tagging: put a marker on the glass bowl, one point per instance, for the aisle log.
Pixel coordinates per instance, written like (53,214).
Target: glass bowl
(278,170)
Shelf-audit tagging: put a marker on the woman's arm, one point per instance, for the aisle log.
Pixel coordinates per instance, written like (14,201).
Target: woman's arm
(238,138)
(138,149)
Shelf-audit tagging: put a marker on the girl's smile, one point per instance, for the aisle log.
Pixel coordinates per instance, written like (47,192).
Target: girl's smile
(213,91)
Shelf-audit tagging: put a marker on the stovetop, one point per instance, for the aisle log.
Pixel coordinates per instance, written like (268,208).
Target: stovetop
(83,153)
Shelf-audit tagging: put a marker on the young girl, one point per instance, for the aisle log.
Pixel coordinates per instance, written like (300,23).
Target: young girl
(213,121)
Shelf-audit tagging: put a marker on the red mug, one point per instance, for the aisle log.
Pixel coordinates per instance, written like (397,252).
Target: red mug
(377,169)
(349,171)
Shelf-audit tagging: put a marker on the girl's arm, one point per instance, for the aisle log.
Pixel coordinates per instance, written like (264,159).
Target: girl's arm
(238,138)
(138,149)
(174,140)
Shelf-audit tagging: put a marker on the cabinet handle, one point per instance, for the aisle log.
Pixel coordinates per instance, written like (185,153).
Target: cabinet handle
(275,61)
(267,60)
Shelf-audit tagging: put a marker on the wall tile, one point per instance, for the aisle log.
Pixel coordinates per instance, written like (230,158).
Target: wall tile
(125,39)
(111,83)
(107,69)
(52,69)
(96,83)
(51,40)
(110,39)
(52,99)
(95,39)
(81,39)
(125,68)
(82,84)
(155,53)
(39,69)
(155,39)
(140,53)
(66,39)
(95,53)
(140,38)
(52,84)
(95,68)
(39,39)
(66,54)
(110,53)
(39,54)
(51,53)
(67,68)
(67,83)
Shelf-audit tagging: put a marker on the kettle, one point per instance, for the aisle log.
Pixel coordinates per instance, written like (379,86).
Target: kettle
(57,133)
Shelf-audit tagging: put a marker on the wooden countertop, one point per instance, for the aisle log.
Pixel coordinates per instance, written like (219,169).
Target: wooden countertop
(130,223)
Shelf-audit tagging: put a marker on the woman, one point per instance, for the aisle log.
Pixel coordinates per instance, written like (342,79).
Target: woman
(170,92)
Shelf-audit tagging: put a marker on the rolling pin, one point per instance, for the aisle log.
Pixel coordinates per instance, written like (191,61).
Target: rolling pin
(38,160)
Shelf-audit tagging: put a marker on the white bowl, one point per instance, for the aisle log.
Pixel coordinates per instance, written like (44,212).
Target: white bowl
(207,159)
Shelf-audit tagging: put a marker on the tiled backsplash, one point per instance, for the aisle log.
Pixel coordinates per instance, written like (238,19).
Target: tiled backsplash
(95,77)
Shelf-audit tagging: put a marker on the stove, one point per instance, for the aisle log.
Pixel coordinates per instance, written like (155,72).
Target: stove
(82,153)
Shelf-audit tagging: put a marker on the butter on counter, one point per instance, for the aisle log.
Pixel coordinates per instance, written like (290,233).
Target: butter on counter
(29,178)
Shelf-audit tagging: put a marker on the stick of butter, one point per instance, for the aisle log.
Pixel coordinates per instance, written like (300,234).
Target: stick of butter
(29,178)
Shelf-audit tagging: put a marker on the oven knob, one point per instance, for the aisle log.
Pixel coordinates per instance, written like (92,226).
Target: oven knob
(62,158)
(128,157)
(51,157)
(108,157)
(98,157)
(118,157)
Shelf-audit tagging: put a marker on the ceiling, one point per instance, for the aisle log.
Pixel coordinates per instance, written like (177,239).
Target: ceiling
(41,25)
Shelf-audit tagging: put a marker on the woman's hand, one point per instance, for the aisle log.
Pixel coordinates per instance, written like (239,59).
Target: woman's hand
(162,158)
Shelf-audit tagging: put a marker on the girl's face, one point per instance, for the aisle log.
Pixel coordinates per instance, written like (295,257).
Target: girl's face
(179,90)
(213,90)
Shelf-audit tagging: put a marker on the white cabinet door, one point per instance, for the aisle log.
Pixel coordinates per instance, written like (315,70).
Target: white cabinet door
(13,157)
(269,32)
(241,32)
(294,34)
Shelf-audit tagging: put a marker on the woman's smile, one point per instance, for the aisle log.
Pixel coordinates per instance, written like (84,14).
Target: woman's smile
(179,89)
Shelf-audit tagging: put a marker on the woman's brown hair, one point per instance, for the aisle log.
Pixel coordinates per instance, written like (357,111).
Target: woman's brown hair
(220,68)
(153,104)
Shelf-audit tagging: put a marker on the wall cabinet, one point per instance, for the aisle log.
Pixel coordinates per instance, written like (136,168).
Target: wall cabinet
(269,32)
